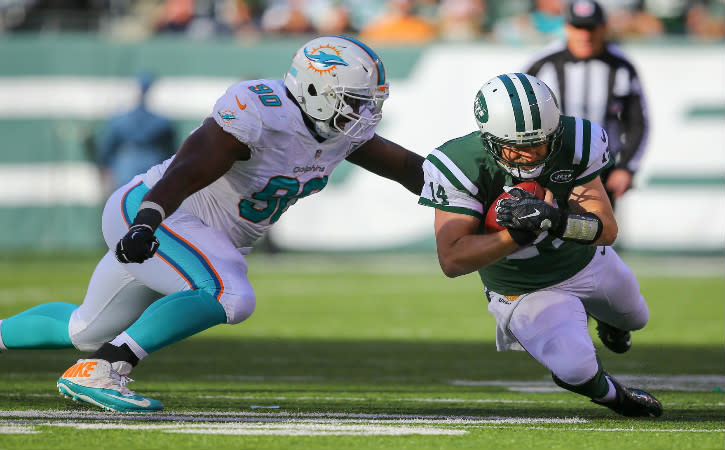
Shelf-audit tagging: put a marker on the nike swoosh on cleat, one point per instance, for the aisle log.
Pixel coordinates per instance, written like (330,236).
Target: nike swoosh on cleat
(533,214)
(142,403)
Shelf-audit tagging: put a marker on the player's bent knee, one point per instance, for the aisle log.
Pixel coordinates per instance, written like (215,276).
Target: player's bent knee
(238,307)
(640,317)
(572,359)
(577,372)
(87,337)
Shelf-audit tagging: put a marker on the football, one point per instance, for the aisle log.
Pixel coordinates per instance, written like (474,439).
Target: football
(490,221)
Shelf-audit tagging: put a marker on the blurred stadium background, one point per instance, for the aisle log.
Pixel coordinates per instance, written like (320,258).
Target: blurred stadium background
(67,65)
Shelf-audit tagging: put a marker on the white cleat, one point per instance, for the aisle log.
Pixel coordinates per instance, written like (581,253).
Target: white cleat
(100,383)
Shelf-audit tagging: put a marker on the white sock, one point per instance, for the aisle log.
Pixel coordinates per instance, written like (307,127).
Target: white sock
(124,338)
(611,393)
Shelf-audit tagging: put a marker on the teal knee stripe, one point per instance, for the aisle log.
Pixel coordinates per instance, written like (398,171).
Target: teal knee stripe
(175,317)
(41,327)
(187,260)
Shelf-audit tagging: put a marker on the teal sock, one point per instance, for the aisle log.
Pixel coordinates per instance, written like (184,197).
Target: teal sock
(175,317)
(41,327)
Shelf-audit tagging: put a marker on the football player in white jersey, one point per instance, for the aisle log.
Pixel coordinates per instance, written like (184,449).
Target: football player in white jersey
(550,266)
(177,234)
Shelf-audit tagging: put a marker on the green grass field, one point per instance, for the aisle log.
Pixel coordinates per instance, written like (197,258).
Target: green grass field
(372,353)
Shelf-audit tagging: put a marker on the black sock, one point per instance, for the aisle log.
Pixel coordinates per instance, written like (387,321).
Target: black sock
(596,387)
(111,353)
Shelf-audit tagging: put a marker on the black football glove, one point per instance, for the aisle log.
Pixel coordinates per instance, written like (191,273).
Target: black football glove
(526,212)
(139,243)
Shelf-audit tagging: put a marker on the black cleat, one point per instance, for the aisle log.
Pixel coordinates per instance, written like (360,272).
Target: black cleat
(616,340)
(632,402)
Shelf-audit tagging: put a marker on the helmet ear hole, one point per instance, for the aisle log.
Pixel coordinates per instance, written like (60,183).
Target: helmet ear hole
(311,90)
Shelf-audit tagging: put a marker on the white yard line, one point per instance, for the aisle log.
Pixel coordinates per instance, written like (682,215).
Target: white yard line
(281,423)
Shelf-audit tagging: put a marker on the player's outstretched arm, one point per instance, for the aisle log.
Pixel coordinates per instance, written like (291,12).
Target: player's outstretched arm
(390,160)
(462,249)
(205,155)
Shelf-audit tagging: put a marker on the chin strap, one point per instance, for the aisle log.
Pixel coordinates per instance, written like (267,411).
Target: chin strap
(520,173)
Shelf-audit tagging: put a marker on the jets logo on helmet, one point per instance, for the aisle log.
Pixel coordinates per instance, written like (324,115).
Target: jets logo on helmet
(322,61)
(480,110)
(339,83)
(517,110)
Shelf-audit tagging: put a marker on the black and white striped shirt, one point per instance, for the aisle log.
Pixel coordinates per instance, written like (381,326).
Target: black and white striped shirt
(605,90)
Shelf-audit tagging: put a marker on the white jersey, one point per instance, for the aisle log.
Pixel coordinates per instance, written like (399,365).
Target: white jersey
(286,164)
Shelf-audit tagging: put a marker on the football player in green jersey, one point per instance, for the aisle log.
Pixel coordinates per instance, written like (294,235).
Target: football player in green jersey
(552,264)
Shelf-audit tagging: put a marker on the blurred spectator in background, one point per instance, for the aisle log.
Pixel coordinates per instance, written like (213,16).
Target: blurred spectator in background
(670,13)
(361,13)
(208,18)
(462,20)
(705,19)
(174,16)
(629,19)
(543,22)
(508,21)
(286,17)
(399,25)
(135,140)
(594,80)
(328,16)
(296,16)
(239,16)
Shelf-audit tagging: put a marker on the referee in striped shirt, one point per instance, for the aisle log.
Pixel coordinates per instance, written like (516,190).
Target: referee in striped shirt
(593,79)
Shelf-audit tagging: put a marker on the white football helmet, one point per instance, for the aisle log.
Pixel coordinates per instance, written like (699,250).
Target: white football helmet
(339,82)
(518,110)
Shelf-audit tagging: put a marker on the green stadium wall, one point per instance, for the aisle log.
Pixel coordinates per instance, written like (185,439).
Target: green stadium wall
(56,91)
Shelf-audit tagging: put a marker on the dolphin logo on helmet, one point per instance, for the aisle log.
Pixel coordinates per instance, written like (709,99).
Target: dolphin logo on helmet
(326,60)
(339,83)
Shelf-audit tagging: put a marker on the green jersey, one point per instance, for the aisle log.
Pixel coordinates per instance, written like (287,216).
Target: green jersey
(462,177)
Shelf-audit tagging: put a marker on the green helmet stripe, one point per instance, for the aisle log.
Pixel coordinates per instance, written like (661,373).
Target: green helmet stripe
(533,104)
(515,102)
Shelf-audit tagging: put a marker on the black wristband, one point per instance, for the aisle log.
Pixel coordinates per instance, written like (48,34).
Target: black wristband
(522,237)
(149,217)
